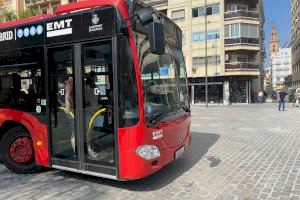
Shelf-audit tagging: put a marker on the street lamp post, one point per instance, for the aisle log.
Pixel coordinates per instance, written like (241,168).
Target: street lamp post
(206,61)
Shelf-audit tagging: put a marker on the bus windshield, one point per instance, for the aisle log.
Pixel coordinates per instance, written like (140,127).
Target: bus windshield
(163,79)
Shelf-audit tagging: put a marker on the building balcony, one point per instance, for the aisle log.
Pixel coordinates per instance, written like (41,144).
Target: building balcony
(33,2)
(155,3)
(241,40)
(241,14)
(36,2)
(241,66)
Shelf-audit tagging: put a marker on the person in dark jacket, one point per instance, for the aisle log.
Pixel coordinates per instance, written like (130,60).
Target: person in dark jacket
(281,97)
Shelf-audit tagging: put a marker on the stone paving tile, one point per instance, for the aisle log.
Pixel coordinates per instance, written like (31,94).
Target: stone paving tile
(238,152)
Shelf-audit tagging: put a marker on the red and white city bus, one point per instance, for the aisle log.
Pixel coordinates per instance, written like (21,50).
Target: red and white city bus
(98,88)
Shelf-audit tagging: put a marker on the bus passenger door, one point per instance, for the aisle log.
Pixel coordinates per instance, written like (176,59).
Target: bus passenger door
(98,104)
(62,107)
(82,107)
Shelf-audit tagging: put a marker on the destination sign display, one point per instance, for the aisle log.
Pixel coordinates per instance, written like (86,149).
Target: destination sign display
(66,28)
(21,37)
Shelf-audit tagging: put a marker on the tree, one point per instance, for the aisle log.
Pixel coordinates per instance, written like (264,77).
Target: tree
(288,82)
(269,90)
(6,14)
(28,13)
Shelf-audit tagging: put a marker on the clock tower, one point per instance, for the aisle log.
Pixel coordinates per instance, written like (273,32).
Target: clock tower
(274,41)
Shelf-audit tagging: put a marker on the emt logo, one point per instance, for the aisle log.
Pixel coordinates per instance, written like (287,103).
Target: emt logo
(58,28)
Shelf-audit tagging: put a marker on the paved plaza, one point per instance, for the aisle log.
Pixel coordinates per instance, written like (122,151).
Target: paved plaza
(238,152)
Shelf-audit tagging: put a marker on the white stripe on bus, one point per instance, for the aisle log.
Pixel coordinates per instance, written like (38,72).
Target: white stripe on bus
(55,33)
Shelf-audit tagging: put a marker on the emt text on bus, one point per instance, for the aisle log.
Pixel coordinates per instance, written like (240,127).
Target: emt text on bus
(97,88)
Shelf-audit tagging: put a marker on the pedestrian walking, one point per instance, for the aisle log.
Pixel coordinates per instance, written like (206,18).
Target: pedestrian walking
(227,94)
(297,96)
(260,97)
(282,94)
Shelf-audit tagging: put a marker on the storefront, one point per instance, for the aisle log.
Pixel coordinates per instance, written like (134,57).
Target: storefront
(240,89)
(235,89)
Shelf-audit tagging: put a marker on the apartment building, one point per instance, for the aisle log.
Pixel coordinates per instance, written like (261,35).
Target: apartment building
(46,6)
(296,42)
(235,50)
(14,5)
(281,65)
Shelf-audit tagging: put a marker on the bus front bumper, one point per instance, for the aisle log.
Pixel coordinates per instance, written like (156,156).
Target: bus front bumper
(133,167)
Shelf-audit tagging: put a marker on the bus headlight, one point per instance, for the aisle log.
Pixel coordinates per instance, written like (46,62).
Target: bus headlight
(148,152)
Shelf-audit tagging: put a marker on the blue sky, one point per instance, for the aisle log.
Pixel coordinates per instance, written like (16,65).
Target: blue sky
(277,12)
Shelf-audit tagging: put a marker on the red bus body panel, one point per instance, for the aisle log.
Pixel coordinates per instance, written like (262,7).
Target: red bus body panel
(131,166)
(26,20)
(134,167)
(37,130)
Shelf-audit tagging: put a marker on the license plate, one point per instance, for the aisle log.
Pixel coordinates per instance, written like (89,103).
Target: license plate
(179,152)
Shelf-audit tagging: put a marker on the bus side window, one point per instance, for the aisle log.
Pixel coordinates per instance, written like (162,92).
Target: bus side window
(21,88)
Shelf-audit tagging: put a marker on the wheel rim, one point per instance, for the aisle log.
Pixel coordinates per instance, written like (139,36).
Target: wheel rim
(21,150)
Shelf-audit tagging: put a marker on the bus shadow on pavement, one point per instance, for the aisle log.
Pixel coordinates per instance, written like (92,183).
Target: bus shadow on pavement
(201,143)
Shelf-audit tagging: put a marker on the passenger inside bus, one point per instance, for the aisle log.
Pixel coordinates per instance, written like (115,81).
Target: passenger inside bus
(20,89)
(91,104)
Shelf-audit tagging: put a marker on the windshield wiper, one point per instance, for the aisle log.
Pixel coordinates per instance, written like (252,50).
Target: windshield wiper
(156,119)
(185,107)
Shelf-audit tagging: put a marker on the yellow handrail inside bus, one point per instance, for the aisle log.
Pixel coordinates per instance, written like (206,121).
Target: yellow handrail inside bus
(94,117)
(70,113)
(91,120)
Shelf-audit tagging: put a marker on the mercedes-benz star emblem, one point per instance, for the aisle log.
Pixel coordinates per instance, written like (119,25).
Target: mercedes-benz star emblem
(179,138)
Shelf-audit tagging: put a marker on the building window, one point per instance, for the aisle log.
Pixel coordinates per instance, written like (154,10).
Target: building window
(183,39)
(44,10)
(241,30)
(216,9)
(213,35)
(211,60)
(210,10)
(237,7)
(199,36)
(54,8)
(177,15)
(198,61)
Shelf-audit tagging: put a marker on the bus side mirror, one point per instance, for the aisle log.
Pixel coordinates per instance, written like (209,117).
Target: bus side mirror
(157,38)
(145,16)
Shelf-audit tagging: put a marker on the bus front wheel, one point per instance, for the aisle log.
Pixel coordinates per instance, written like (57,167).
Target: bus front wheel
(17,151)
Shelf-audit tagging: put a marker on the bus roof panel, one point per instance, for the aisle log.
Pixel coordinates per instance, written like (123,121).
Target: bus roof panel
(59,29)
(89,4)
(72,7)
(25,21)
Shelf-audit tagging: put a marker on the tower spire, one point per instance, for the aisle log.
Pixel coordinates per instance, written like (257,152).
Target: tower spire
(274,41)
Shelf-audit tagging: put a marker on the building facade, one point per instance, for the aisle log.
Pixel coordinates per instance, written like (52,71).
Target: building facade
(267,78)
(296,42)
(13,5)
(235,50)
(281,64)
(46,6)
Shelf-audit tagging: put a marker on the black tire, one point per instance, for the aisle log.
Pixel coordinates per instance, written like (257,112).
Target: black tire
(9,137)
